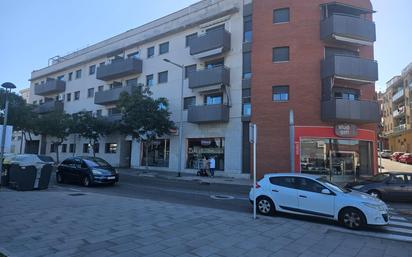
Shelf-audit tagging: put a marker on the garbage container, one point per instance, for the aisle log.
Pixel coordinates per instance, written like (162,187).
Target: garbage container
(44,180)
(4,178)
(30,177)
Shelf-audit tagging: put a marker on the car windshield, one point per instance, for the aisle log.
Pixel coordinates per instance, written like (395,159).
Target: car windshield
(96,162)
(379,177)
(333,186)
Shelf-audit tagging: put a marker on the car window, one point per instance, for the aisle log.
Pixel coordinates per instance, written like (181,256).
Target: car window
(77,163)
(67,162)
(96,162)
(306,184)
(283,181)
(397,179)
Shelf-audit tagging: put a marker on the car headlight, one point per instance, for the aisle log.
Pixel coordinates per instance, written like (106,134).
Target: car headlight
(378,207)
(96,172)
(358,187)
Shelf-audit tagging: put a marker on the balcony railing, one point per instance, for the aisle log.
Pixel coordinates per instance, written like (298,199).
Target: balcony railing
(49,106)
(51,86)
(119,68)
(398,95)
(112,95)
(350,68)
(350,111)
(214,42)
(399,128)
(348,29)
(208,113)
(208,77)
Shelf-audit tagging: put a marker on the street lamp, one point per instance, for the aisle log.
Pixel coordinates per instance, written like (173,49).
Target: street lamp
(8,87)
(182,67)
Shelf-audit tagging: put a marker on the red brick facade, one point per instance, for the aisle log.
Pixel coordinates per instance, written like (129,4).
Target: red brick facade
(302,73)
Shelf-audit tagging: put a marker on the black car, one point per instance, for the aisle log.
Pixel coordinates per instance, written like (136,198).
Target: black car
(386,186)
(87,170)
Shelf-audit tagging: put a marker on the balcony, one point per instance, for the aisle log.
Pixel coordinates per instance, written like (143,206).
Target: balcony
(51,86)
(208,113)
(399,128)
(119,68)
(348,29)
(111,96)
(204,79)
(49,106)
(398,113)
(398,95)
(350,111)
(212,43)
(350,68)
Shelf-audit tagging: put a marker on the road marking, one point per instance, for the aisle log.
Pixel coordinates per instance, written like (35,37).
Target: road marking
(222,197)
(374,234)
(398,223)
(397,218)
(397,229)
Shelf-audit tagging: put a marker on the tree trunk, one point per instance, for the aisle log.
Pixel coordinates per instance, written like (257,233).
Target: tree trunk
(147,154)
(23,137)
(93,145)
(57,152)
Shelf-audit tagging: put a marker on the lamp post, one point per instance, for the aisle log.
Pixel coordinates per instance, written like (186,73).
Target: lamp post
(182,67)
(8,87)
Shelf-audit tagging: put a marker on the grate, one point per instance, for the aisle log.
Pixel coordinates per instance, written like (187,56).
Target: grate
(77,194)
(222,197)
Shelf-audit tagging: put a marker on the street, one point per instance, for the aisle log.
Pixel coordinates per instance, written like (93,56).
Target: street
(389,165)
(151,216)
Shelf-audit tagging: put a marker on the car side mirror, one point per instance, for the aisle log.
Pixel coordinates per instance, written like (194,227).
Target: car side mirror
(326,191)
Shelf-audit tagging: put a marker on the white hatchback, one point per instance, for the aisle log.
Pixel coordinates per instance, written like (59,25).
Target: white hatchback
(316,196)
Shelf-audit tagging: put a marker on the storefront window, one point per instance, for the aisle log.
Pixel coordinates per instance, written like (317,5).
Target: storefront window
(341,160)
(157,153)
(205,147)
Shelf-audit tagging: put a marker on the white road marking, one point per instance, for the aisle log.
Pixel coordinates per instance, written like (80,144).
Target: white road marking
(398,223)
(374,234)
(397,218)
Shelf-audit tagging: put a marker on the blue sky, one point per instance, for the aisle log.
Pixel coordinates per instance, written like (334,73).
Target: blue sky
(32,31)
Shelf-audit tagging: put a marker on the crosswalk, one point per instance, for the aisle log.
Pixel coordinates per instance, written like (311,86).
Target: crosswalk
(399,228)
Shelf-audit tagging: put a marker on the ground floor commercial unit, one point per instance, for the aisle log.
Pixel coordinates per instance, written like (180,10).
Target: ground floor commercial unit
(400,142)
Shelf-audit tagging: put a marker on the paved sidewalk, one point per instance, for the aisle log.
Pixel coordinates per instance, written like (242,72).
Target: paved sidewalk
(187,176)
(56,223)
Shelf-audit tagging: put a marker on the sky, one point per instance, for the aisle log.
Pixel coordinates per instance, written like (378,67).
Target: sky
(32,31)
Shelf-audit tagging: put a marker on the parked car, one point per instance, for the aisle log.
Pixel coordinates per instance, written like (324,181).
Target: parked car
(395,156)
(87,170)
(386,185)
(316,196)
(385,154)
(406,158)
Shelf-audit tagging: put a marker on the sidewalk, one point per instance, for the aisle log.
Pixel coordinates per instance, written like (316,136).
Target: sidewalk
(66,223)
(186,176)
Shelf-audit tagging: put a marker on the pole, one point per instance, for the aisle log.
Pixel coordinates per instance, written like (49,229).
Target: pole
(3,134)
(254,169)
(380,156)
(292,141)
(181,123)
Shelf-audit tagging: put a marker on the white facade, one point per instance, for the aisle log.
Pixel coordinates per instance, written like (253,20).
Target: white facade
(173,29)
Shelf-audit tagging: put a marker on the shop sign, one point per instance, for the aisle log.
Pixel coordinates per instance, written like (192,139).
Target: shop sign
(346,130)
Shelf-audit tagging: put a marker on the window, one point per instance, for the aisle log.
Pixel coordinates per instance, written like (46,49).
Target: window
(68,97)
(100,88)
(280,54)
(76,95)
(150,52)
(157,153)
(218,27)
(60,77)
(281,15)
(102,64)
(86,148)
(247,67)
(189,69)
(213,99)
(309,185)
(397,179)
(289,182)
(111,148)
(247,29)
(134,55)
(164,48)
(52,148)
(215,63)
(90,92)
(190,38)
(78,74)
(96,147)
(99,113)
(92,69)
(162,77)
(70,76)
(189,101)
(113,111)
(149,80)
(64,148)
(116,84)
(246,106)
(197,148)
(131,82)
(346,94)
(280,93)
(72,148)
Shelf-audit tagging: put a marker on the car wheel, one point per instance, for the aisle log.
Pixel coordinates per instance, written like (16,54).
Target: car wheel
(375,194)
(86,181)
(59,178)
(352,218)
(265,205)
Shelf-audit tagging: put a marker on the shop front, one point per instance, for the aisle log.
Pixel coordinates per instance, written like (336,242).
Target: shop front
(198,148)
(343,153)
(156,153)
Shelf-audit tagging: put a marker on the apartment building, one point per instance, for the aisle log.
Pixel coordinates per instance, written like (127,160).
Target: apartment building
(396,112)
(245,62)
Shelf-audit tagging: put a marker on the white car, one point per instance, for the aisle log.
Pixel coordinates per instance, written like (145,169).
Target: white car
(385,154)
(315,196)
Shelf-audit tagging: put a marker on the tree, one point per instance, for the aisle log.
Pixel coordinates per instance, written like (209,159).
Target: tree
(143,117)
(90,128)
(56,125)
